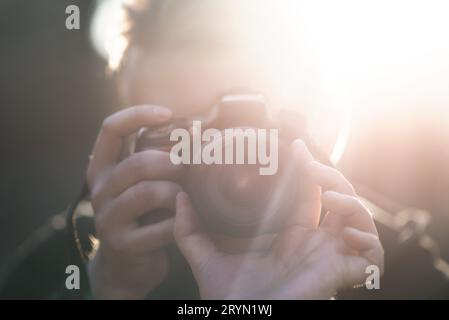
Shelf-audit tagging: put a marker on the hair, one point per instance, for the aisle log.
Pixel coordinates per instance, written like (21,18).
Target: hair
(156,25)
(145,19)
(152,24)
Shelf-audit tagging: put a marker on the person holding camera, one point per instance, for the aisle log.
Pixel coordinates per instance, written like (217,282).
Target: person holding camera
(152,241)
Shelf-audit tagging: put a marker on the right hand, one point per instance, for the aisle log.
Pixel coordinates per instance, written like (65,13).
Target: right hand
(130,260)
(306,260)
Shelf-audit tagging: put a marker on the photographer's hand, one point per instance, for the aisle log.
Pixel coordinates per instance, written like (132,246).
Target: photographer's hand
(131,259)
(305,261)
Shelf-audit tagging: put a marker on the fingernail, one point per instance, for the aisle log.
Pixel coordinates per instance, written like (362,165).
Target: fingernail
(162,113)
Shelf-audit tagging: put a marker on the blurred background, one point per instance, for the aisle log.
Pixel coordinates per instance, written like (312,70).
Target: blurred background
(383,65)
(54,94)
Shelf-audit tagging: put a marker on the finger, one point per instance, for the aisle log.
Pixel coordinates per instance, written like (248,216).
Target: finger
(350,208)
(329,178)
(124,211)
(367,244)
(141,166)
(194,244)
(308,208)
(359,240)
(115,128)
(151,237)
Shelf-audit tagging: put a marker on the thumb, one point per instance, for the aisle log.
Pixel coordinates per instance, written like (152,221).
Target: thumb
(194,244)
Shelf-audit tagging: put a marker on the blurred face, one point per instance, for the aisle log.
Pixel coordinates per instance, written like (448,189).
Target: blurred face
(209,48)
(189,76)
(189,83)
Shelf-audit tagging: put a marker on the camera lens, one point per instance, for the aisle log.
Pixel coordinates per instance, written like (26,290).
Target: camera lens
(243,185)
(235,199)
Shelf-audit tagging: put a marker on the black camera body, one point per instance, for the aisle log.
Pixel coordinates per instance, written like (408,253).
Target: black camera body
(235,199)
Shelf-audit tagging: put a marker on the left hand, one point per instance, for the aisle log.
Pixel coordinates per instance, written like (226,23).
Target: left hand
(305,261)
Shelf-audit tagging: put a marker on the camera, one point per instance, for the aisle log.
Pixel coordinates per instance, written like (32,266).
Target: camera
(234,198)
